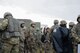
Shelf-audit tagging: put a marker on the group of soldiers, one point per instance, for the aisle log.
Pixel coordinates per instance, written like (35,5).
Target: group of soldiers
(66,40)
(15,37)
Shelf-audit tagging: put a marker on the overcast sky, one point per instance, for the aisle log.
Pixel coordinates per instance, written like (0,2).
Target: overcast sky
(49,9)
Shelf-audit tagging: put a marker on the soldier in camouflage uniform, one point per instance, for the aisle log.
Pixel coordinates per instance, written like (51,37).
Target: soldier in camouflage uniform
(47,42)
(38,40)
(30,39)
(71,25)
(22,38)
(76,33)
(10,34)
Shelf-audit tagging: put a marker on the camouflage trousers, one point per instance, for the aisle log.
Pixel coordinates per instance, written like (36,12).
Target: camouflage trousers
(48,48)
(30,49)
(39,46)
(11,46)
(21,49)
(8,48)
(75,49)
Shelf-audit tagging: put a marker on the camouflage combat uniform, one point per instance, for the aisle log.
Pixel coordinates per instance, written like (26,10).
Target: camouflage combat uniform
(1,31)
(30,40)
(11,34)
(22,37)
(76,34)
(73,43)
(38,41)
(47,42)
(76,37)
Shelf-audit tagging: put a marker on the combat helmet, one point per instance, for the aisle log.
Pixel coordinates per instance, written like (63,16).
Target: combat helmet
(71,24)
(32,23)
(7,14)
(22,22)
(56,21)
(78,18)
(63,22)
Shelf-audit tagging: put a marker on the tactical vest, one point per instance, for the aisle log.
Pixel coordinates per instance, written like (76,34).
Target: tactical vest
(13,29)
